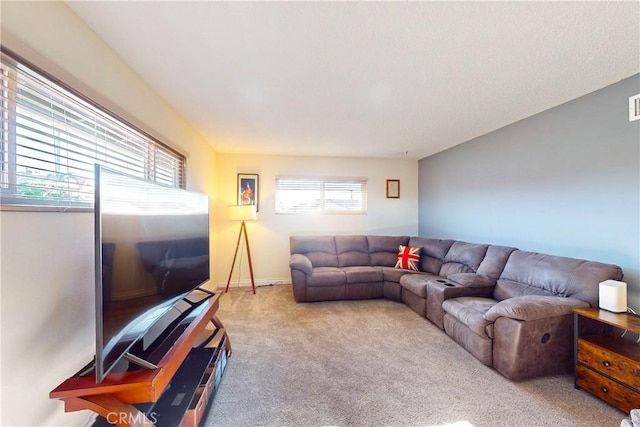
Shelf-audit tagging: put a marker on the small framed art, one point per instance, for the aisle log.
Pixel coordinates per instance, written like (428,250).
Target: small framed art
(393,189)
(248,190)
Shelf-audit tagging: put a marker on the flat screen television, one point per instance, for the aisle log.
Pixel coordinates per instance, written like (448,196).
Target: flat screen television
(151,250)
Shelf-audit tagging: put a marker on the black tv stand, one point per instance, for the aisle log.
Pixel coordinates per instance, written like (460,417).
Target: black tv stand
(139,361)
(207,291)
(175,393)
(151,354)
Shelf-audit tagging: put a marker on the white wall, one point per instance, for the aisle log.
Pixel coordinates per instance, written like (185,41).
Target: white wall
(269,235)
(46,258)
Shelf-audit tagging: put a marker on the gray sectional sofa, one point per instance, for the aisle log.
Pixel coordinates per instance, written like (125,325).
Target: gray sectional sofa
(511,309)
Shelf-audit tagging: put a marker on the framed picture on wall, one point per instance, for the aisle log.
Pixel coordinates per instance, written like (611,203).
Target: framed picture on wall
(393,189)
(248,190)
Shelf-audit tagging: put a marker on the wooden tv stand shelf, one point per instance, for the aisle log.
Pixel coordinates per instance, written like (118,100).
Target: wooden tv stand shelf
(136,397)
(607,365)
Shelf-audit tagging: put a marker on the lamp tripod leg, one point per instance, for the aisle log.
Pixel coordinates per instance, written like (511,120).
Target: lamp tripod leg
(235,255)
(246,240)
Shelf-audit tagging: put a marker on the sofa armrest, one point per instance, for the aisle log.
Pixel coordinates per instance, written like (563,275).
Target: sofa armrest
(472,280)
(532,307)
(301,263)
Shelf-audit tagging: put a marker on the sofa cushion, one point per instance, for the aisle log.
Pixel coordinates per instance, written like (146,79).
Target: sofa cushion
(470,312)
(327,276)
(463,257)
(432,254)
(408,258)
(321,250)
(363,274)
(383,250)
(392,274)
(352,250)
(494,261)
(417,283)
(531,273)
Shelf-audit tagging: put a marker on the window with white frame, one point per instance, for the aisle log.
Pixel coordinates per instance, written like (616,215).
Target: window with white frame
(51,137)
(321,195)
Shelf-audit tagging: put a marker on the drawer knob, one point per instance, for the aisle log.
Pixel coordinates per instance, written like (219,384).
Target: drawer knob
(604,389)
(606,364)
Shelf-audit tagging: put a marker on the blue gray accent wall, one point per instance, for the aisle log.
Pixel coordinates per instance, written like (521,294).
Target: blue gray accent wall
(565,182)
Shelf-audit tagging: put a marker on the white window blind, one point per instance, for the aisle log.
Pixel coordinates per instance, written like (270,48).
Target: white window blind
(328,195)
(50,138)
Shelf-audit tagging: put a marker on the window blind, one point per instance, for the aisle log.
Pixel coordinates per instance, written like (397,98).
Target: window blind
(51,137)
(328,195)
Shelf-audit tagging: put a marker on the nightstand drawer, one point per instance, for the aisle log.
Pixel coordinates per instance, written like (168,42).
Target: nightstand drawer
(617,366)
(608,390)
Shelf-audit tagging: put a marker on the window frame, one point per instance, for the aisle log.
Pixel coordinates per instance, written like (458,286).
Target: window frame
(152,158)
(322,202)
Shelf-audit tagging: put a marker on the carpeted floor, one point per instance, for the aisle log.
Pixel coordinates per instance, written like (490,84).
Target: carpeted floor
(372,363)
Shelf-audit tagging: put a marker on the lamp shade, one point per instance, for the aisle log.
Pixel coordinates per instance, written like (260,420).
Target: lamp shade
(613,296)
(242,213)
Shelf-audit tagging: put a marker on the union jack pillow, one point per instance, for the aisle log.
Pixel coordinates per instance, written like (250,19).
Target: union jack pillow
(408,258)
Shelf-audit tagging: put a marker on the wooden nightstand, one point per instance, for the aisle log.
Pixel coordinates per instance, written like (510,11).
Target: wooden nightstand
(606,364)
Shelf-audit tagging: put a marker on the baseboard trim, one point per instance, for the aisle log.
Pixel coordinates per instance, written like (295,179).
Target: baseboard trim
(247,283)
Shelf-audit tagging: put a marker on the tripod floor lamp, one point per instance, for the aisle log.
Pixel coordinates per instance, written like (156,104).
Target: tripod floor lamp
(242,213)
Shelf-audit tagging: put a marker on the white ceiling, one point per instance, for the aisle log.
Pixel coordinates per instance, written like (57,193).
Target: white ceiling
(366,79)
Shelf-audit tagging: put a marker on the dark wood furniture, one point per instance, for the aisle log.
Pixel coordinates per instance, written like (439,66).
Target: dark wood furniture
(607,359)
(175,393)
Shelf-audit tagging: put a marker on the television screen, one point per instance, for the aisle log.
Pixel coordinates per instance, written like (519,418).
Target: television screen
(152,248)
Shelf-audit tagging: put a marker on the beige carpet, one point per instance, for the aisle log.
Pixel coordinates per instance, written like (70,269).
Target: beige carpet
(372,363)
